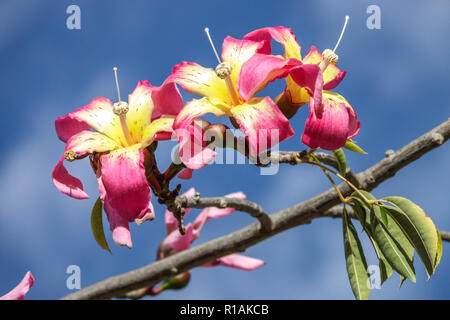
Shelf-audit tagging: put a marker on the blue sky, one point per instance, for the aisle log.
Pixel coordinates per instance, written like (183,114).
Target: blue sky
(396,82)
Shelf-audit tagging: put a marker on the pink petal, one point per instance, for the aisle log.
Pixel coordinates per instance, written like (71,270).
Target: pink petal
(19,292)
(309,77)
(193,151)
(167,99)
(123,176)
(117,223)
(207,214)
(333,127)
(261,69)
(282,35)
(178,242)
(237,52)
(66,183)
(171,221)
(263,123)
(67,126)
(241,262)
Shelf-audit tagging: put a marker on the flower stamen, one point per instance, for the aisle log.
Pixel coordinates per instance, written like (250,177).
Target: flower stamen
(329,56)
(223,71)
(70,155)
(120,108)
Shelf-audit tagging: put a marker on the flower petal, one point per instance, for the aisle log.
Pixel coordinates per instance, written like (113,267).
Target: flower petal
(259,70)
(117,223)
(196,108)
(192,147)
(140,110)
(263,123)
(123,176)
(241,262)
(67,126)
(200,80)
(66,183)
(237,52)
(171,221)
(178,242)
(332,75)
(19,292)
(209,213)
(166,99)
(334,126)
(283,35)
(186,174)
(98,114)
(89,142)
(162,125)
(308,77)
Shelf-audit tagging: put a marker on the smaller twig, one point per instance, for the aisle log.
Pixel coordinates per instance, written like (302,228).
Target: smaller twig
(252,208)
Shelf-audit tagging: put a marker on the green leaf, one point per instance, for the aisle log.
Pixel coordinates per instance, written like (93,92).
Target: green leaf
(359,208)
(439,250)
(342,163)
(395,247)
(374,210)
(97,225)
(418,227)
(352,146)
(355,260)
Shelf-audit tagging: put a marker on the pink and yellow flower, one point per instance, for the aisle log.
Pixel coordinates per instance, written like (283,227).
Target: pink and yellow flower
(116,147)
(332,120)
(259,118)
(176,242)
(19,292)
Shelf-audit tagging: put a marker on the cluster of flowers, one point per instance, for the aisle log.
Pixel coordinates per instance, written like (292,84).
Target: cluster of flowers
(118,145)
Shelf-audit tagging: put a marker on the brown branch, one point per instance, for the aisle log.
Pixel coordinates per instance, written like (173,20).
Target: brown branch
(296,215)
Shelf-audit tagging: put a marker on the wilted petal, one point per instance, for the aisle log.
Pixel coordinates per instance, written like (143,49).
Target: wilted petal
(259,70)
(66,183)
(283,35)
(308,77)
(209,213)
(263,123)
(334,126)
(237,52)
(123,176)
(171,221)
(178,242)
(202,81)
(192,147)
(236,261)
(19,292)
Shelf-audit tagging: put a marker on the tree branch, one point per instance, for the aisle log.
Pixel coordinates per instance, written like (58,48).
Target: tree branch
(296,215)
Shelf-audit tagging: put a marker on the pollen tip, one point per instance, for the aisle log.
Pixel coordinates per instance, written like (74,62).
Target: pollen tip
(70,155)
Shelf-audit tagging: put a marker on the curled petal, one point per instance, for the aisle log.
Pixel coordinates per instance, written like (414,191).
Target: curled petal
(171,221)
(332,75)
(263,123)
(66,183)
(140,109)
(98,114)
(336,124)
(67,126)
(283,35)
(123,177)
(237,52)
(192,147)
(206,214)
(162,126)
(166,99)
(259,70)
(178,242)
(308,77)
(19,292)
(202,81)
(196,108)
